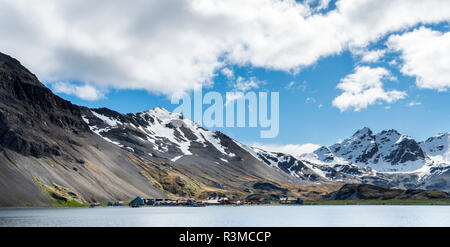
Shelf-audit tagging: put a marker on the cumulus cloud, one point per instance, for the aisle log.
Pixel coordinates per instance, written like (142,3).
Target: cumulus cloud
(173,46)
(393,62)
(365,87)
(369,56)
(86,92)
(228,73)
(425,55)
(243,84)
(292,149)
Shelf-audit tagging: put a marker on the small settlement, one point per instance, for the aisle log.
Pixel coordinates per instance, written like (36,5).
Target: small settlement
(190,202)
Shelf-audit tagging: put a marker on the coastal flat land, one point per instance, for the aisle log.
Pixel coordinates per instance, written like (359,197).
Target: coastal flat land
(381,202)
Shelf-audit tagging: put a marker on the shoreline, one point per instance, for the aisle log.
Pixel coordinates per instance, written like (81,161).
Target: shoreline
(437,202)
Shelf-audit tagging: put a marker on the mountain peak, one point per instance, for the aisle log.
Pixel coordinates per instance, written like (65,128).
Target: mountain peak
(382,152)
(162,114)
(32,118)
(363,131)
(11,70)
(159,108)
(391,131)
(439,136)
(9,62)
(438,147)
(156,110)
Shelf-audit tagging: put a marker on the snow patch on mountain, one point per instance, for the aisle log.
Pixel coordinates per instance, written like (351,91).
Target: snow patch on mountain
(437,147)
(108,120)
(295,150)
(163,130)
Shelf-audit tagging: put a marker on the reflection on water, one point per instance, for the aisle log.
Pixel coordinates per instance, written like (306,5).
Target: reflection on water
(230,216)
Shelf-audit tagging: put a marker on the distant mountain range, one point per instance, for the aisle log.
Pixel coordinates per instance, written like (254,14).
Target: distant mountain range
(387,159)
(52,151)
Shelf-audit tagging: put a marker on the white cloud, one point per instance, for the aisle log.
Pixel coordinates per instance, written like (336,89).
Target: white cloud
(310,100)
(243,84)
(365,87)
(292,149)
(228,73)
(174,46)
(86,92)
(290,85)
(393,62)
(294,86)
(369,56)
(414,103)
(425,55)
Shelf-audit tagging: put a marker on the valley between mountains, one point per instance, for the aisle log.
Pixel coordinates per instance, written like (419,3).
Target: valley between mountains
(53,151)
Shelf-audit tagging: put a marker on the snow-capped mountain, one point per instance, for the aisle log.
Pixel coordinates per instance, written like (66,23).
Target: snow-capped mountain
(312,169)
(308,167)
(436,172)
(386,159)
(437,148)
(387,151)
(153,132)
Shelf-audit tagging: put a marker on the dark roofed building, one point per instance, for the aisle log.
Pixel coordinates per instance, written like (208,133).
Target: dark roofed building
(137,202)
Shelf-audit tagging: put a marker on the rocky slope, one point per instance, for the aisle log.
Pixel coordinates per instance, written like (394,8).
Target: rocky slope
(47,152)
(372,192)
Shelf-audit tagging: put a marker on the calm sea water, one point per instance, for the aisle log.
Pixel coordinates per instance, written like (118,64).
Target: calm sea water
(230,216)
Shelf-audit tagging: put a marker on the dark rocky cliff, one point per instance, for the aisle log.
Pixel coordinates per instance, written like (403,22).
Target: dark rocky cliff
(28,109)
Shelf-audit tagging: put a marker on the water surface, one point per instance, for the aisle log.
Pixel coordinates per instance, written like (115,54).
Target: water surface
(314,215)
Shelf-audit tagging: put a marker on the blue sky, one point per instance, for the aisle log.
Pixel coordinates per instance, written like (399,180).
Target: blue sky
(338,65)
